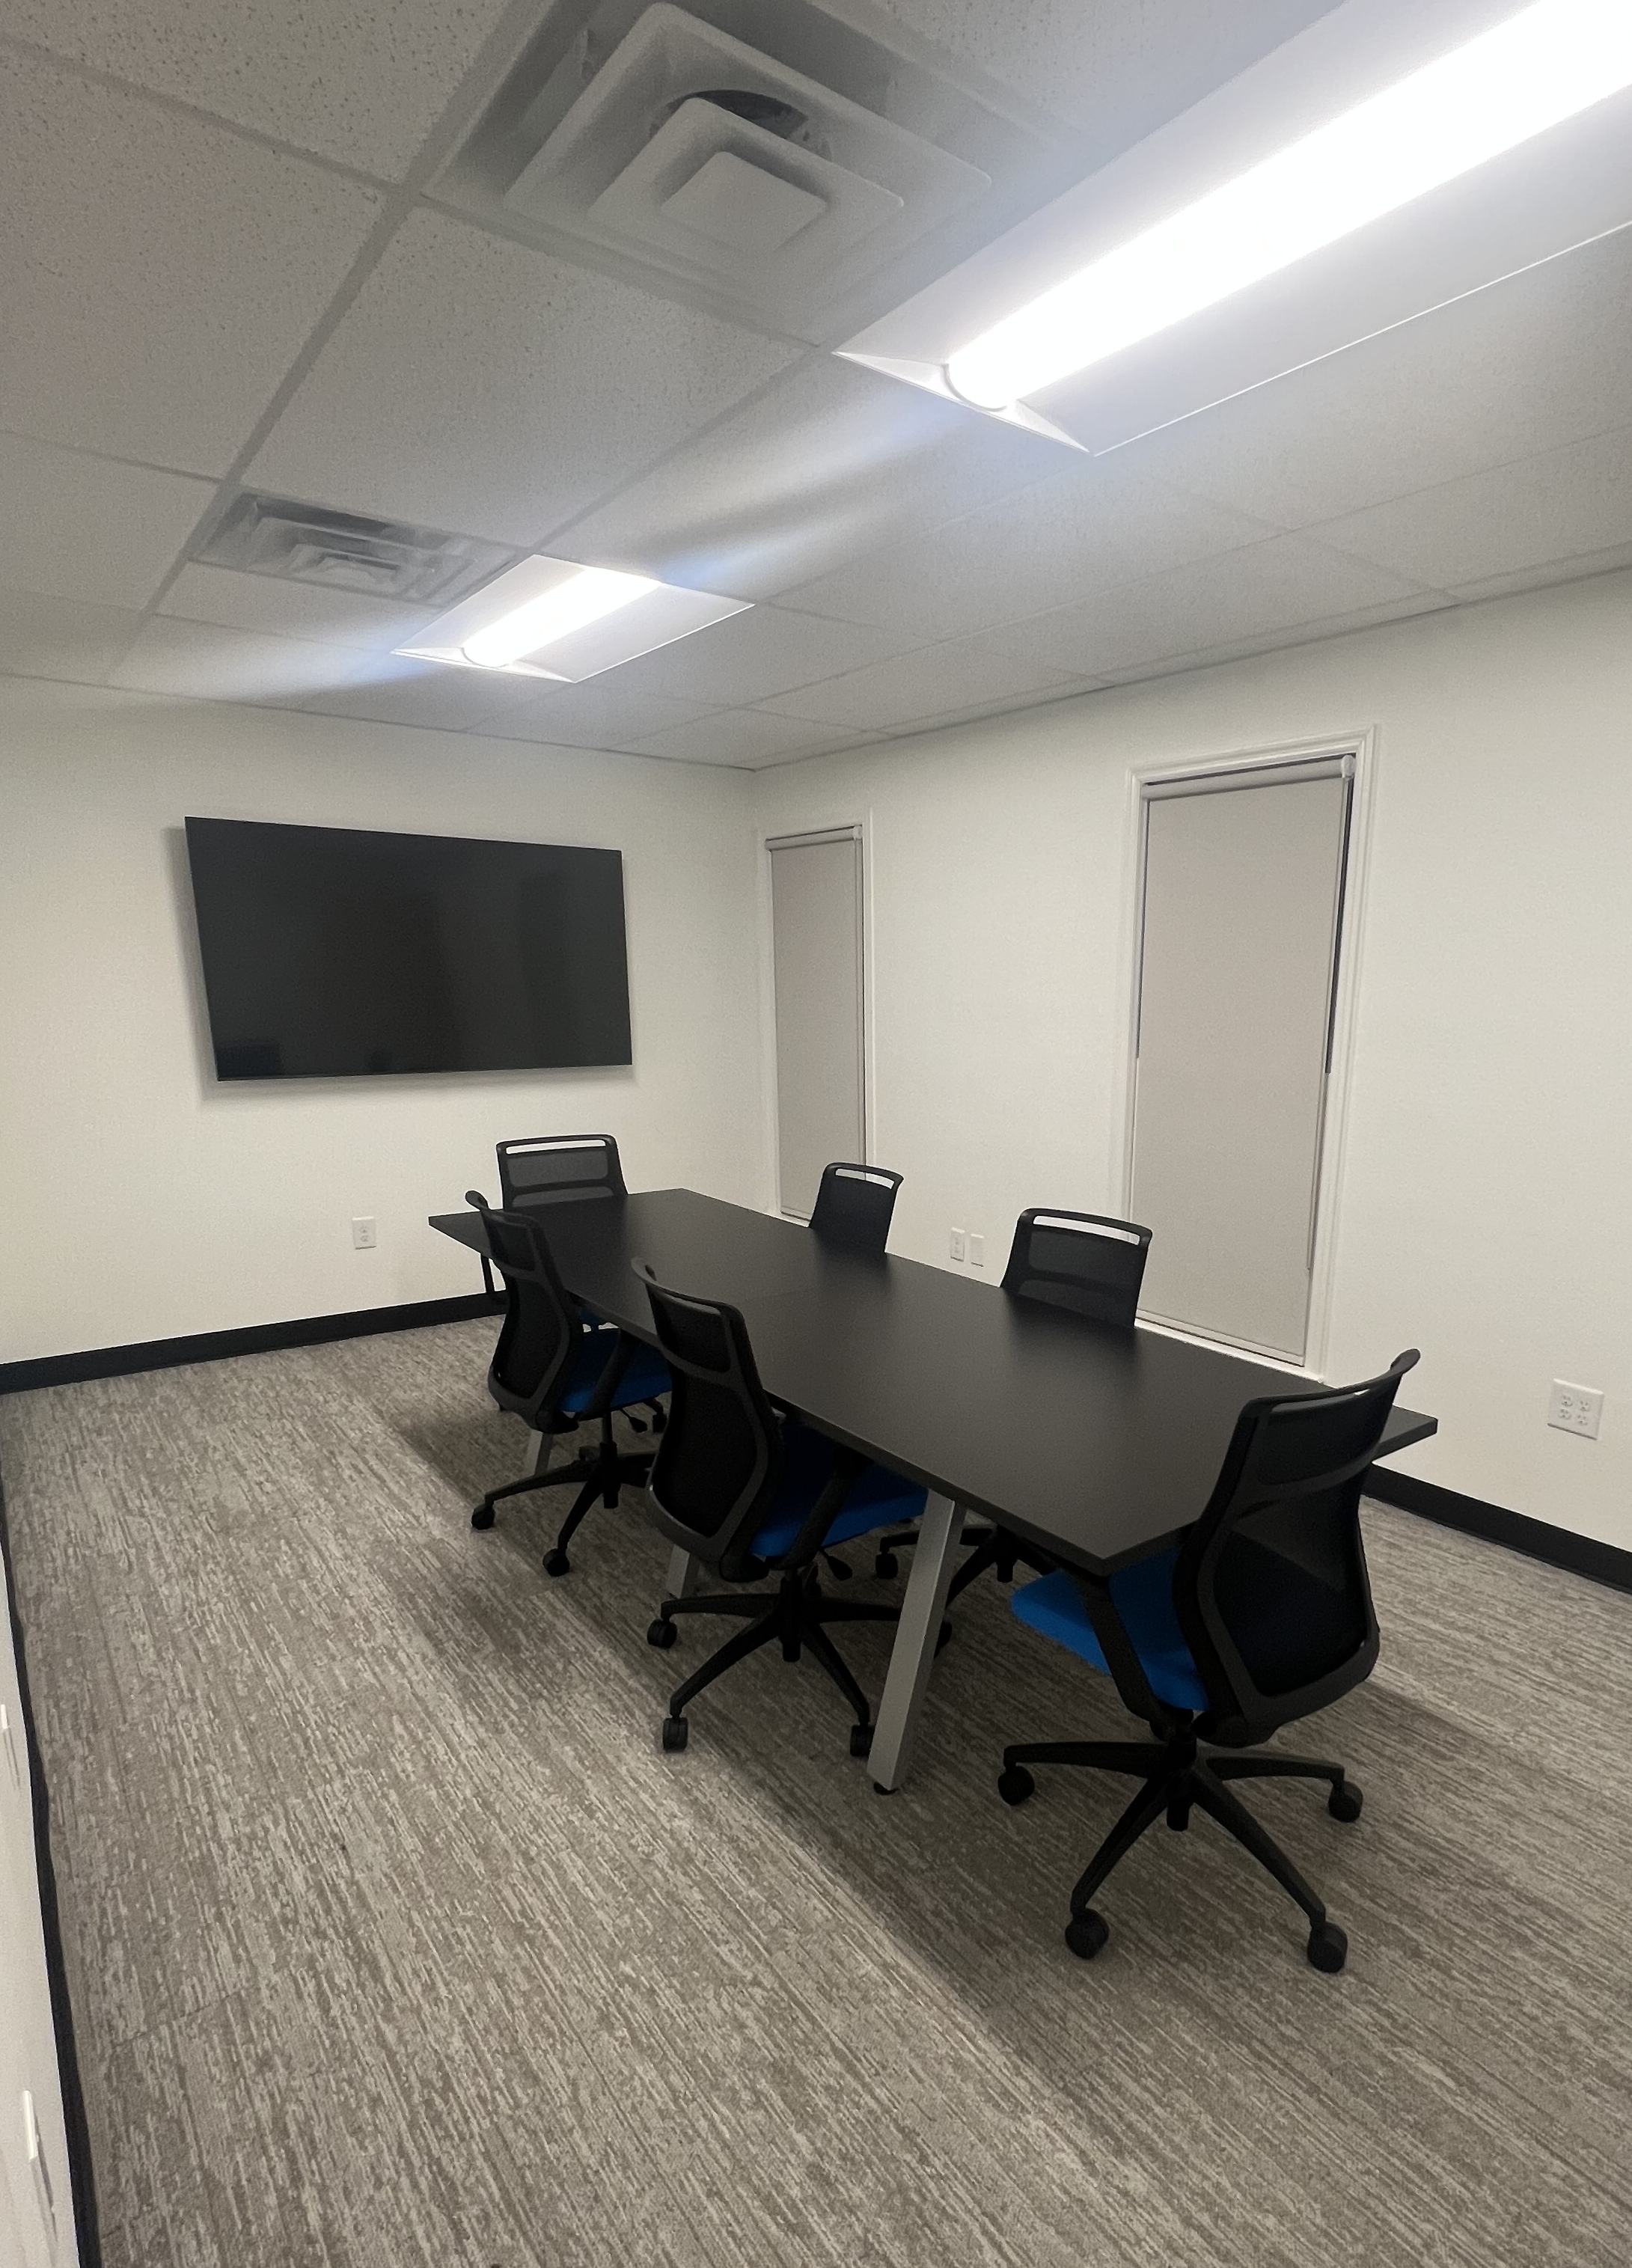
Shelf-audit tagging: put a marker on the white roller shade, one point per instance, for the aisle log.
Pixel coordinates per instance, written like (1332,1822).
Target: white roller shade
(1242,883)
(816,915)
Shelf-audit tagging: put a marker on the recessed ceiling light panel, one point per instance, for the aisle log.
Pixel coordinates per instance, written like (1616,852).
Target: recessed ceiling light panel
(555,618)
(1542,66)
(1395,155)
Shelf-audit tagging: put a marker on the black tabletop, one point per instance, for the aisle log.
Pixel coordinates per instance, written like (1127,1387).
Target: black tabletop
(1101,1445)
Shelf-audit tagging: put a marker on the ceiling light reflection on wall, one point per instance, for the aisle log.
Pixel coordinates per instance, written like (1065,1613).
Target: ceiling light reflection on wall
(1547,64)
(556,619)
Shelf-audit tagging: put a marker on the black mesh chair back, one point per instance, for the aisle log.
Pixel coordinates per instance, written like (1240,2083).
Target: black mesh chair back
(1083,1261)
(853,1206)
(719,1461)
(548,1166)
(540,1333)
(1271,1585)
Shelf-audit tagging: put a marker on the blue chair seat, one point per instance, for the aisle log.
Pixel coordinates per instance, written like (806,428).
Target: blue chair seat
(878,1499)
(1144,1598)
(645,1379)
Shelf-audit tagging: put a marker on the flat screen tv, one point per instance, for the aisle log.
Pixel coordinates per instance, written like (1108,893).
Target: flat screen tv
(333,952)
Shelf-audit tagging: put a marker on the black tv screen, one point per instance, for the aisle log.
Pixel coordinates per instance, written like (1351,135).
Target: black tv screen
(332,953)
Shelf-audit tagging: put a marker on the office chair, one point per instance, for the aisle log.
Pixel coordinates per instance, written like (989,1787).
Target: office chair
(1090,1266)
(751,1495)
(554,1371)
(545,1166)
(853,1207)
(1262,1615)
(548,1168)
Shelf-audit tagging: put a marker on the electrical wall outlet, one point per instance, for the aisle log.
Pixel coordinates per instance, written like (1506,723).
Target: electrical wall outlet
(1575,1409)
(977,1252)
(363,1233)
(957,1244)
(8,1742)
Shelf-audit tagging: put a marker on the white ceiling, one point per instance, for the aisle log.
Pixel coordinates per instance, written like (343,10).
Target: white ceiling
(225,263)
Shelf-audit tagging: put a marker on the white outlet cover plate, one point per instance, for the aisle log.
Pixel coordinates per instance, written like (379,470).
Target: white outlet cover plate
(1575,1409)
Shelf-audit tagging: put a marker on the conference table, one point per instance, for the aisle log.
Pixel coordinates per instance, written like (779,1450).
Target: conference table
(1099,1444)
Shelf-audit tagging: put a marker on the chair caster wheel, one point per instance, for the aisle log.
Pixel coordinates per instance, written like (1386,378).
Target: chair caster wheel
(1087,1933)
(661,1633)
(1179,1817)
(1015,1785)
(1344,1803)
(1328,1947)
(860,1739)
(886,1564)
(556,1561)
(483,1516)
(674,1731)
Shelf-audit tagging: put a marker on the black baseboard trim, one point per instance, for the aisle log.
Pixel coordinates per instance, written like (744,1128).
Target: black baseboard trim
(256,1338)
(77,2132)
(1537,1539)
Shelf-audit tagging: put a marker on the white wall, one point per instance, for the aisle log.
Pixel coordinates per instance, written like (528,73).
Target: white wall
(1485,1208)
(33,2234)
(1486,1198)
(140,1199)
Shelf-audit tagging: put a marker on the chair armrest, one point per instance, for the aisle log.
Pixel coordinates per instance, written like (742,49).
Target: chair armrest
(1127,1671)
(608,1384)
(848,1467)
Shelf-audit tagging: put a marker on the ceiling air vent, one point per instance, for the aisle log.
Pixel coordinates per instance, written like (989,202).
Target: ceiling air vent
(382,558)
(769,155)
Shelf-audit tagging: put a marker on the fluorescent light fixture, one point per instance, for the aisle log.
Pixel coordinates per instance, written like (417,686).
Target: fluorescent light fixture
(587,597)
(1542,66)
(553,618)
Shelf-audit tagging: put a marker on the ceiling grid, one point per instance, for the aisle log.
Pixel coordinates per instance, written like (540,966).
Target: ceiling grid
(242,256)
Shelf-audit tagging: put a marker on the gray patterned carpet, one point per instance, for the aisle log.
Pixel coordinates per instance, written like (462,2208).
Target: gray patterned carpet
(394,1939)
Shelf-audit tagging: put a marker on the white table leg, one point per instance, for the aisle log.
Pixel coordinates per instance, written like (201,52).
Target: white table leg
(682,1580)
(538,1448)
(911,1657)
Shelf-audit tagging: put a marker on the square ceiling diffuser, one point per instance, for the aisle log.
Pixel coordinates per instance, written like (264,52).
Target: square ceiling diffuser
(741,205)
(555,618)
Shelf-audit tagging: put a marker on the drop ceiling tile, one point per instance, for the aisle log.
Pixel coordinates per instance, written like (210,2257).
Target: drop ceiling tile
(830,461)
(1113,69)
(1275,586)
(831,744)
(360,81)
(1567,504)
(301,610)
(42,637)
(401,692)
(1528,365)
(158,274)
(86,527)
(1536,578)
(1097,523)
(203,662)
(599,714)
(1277,641)
(519,388)
(742,737)
(742,660)
(961,675)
